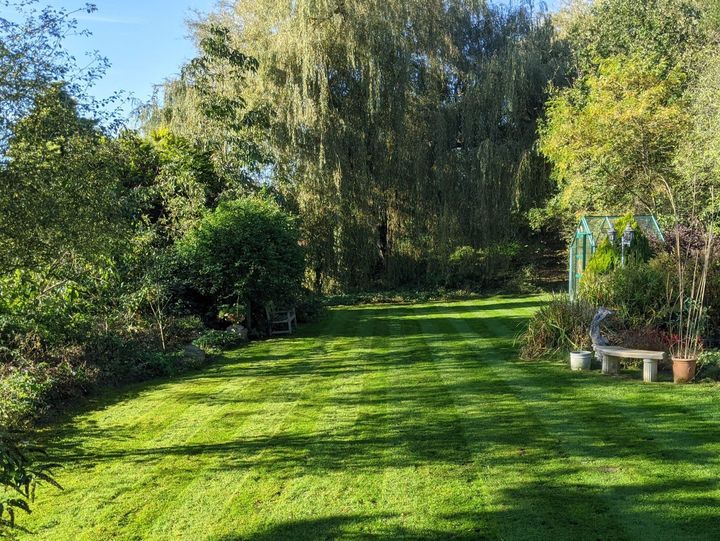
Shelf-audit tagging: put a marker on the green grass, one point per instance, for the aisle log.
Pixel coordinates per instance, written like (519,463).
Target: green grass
(390,422)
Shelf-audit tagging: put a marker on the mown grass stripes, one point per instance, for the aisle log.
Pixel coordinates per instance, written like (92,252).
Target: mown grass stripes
(389,422)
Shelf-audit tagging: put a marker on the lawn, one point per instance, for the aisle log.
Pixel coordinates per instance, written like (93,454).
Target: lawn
(389,422)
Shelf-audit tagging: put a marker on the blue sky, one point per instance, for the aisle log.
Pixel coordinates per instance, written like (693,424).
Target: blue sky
(146,41)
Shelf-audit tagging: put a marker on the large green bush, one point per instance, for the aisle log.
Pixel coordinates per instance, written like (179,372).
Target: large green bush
(636,291)
(245,251)
(604,260)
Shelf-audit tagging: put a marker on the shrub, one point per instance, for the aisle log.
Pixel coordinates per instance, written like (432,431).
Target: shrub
(158,364)
(713,302)
(218,341)
(640,251)
(709,365)
(184,330)
(27,391)
(524,281)
(466,266)
(35,376)
(636,291)
(608,256)
(692,240)
(559,326)
(113,354)
(650,338)
(309,307)
(604,260)
(23,395)
(235,314)
(244,251)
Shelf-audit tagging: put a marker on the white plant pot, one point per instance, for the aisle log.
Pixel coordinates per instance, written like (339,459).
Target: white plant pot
(580,360)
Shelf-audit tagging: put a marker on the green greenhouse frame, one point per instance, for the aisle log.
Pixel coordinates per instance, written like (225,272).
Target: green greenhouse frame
(590,232)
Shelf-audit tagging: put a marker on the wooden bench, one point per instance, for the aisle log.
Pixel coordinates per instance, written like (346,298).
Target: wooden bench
(609,356)
(284,318)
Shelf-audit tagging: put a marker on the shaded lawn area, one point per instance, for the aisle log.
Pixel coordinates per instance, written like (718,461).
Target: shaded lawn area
(390,422)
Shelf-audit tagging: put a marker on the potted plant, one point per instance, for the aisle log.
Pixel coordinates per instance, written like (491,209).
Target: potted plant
(580,360)
(692,265)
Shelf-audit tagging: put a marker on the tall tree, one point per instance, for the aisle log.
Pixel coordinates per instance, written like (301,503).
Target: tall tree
(32,56)
(698,157)
(613,136)
(398,130)
(613,141)
(60,195)
(206,107)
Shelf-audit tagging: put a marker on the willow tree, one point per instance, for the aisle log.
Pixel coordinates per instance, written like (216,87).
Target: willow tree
(399,129)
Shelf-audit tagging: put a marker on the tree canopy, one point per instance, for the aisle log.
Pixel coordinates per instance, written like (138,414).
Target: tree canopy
(631,132)
(33,56)
(397,130)
(59,187)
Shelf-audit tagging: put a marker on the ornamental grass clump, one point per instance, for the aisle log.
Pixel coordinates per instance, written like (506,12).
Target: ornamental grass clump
(693,263)
(561,325)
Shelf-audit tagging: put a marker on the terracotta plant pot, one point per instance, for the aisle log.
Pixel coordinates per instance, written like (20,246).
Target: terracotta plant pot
(683,370)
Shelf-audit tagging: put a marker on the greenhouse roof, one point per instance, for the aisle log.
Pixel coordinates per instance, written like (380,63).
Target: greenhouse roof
(598,226)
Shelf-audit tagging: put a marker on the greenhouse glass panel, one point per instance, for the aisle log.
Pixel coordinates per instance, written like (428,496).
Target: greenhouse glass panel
(590,233)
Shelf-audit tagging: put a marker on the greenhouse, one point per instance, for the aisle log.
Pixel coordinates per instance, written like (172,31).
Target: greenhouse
(592,230)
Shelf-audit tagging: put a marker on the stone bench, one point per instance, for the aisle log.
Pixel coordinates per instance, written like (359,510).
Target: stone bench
(609,356)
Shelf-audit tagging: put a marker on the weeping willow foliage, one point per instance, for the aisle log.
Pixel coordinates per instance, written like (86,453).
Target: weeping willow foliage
(399,129)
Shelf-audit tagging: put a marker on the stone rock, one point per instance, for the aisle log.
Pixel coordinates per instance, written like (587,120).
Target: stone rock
(241,331)
(194,353)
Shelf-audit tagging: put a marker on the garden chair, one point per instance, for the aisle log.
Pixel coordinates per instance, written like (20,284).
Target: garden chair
(280,320)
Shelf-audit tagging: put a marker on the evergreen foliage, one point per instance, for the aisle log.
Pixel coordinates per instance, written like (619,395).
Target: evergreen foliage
(244,252)
(604,260)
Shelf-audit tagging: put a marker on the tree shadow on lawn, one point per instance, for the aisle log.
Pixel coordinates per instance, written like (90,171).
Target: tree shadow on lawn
(468,305)
(548,419)
(538,509)
(302,357)
(418,439)
(366,315)
(428,420)
(254,362)
(358,527)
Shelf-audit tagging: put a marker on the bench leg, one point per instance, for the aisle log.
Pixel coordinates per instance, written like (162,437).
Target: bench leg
(650,370)
(610,366)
